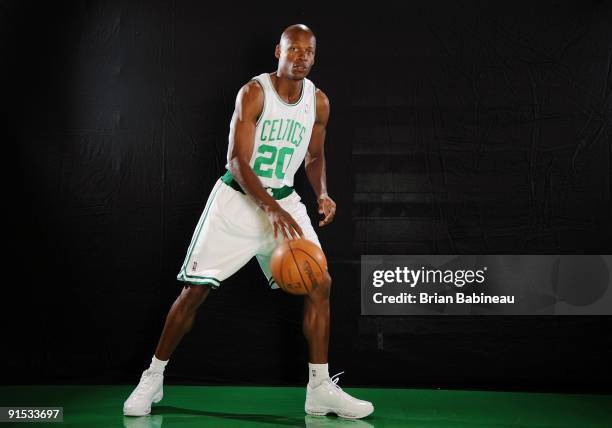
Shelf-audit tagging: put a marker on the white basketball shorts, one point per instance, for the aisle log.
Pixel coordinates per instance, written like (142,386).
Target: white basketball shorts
(231,230)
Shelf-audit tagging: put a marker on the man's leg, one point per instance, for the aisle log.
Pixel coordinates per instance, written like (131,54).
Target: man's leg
(323,396)
(180,319)
(316,321)
(178,322)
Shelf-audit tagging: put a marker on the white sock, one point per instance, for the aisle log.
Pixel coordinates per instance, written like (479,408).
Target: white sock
(158,366)
(317,373)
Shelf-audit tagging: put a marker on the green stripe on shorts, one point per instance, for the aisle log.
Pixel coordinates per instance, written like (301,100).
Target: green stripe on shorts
(200,280)
(197,233)
(203,278)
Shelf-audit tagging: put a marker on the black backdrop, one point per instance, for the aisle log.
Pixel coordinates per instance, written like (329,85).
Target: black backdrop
(466,128)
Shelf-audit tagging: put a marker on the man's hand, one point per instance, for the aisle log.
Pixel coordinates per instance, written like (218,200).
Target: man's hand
(327,207)
(282,221)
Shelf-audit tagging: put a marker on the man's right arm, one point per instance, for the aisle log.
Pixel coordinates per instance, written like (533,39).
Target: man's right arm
(249,105)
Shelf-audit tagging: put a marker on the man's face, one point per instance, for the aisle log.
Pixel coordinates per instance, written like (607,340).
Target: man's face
(296,55)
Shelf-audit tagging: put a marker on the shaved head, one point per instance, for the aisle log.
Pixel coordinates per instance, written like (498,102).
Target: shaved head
(296,52)
(295,30)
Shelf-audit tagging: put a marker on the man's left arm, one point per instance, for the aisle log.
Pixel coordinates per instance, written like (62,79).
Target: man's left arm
(315,160)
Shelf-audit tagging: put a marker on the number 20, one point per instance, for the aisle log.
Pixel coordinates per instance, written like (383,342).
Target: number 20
(264,164)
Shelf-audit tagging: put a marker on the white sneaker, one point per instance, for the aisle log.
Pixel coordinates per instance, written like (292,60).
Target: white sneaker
(328,397)
(150,389)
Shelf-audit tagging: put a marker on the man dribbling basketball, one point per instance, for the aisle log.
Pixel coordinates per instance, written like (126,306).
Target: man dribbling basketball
(279,120)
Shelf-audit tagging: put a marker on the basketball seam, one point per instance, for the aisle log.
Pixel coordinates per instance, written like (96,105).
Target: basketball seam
(313,260)
(298,268)
(282,271)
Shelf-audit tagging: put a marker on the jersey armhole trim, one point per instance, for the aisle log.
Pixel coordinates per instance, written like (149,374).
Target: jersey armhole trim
(263,110)
(314,95)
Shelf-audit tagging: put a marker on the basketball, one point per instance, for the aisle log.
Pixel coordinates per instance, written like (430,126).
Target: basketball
(298,266)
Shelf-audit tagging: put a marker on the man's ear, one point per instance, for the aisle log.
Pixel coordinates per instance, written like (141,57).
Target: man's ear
(277,51)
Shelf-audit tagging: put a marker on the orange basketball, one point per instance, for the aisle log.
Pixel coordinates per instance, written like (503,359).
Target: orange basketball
(298,266)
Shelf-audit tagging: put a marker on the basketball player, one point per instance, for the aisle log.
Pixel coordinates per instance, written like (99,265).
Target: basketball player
(279,119)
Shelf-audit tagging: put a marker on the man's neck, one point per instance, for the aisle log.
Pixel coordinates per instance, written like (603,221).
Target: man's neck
(289,90)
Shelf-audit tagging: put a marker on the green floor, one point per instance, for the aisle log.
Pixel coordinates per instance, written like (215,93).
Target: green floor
(186,406)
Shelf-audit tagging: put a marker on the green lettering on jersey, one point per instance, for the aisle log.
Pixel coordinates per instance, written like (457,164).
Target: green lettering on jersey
(262,137)
(285,131)
(293,140)
(281,168)
(264,164)
(264,160)
(288,130)
(280,131)
(272,137)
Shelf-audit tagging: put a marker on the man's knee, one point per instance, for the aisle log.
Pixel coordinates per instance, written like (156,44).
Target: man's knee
(194,295)
(324,288)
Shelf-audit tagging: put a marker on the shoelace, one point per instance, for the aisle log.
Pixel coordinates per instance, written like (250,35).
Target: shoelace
(335,379)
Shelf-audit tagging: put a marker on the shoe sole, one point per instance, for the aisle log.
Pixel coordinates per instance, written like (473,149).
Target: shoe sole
(324,412)
(156,399)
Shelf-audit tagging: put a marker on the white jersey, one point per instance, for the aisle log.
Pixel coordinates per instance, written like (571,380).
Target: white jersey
(232,229)
(282,134)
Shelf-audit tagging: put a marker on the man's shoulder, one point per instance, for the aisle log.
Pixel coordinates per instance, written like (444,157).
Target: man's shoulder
(258,83)
(252,85)
(322,99)
(251,91)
